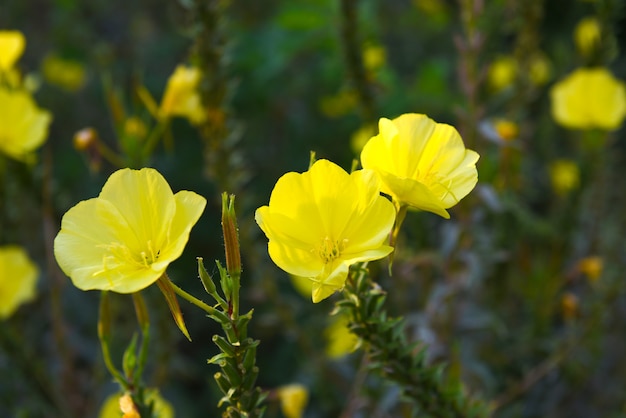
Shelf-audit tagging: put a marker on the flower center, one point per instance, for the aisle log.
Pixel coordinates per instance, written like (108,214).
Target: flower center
(329,249)
(120,255)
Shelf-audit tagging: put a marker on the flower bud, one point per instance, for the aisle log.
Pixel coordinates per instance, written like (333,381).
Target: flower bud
(85,139)
(231,235)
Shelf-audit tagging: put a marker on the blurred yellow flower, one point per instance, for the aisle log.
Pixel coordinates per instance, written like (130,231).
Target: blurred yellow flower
(564,175)
(181,97)
(12,44)
(569,306)
(339,340)
(338,105)
(589,98)
(587,35)
(18,279)
(322,221)
(124,239)
(134,127)
(122,406)
(302,285)
(539,69)
(66,74)
(374,57)
(506,129)
(293,400)
(502,72)
(422,164)
(23,126)
(499,130)
(591,267)
(361,136)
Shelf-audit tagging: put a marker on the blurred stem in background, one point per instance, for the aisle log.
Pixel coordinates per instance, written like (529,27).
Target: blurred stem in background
(130,378)
(470,71)
(354,59)
(224,164)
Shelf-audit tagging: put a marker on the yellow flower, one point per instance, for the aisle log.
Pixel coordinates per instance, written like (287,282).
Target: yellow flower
(124,239)
(587,35)
(589,98)
(23,126)
(539,69)
(134,127)
(338,105)
(181,97)
(506,129)
(339,340)
(502,73)
(569,306)
(361,136)
(121,405)
(18,279)
(374,57)
(322,221)
(564,175)
(66,74)
(293,399)
(422,164)
(12,43)
(592,267)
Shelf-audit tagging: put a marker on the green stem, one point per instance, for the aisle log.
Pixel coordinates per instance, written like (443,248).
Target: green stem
(106,355)
(110,155)
(195,301)
(104,323)
(155,135)
(353,57)
(144,324)
(396,359)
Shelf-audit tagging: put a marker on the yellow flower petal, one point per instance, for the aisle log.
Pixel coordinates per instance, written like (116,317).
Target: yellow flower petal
(293,400)
(421,163)
(12,44)
(152,208)
(124,239)
(322,221)
(332,280)
(23,126)
(339,340)
(589,98)
(18,279)
(93,248)
(181,97)
(587,35)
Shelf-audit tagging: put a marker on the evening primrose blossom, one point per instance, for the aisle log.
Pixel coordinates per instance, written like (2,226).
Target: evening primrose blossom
(564,175)
(18,279)
(181,97)
(322,221)
(12,44)
(422,164)
(589,98)
(23,125)
(124,239)
(293,400)
(587,35)
(339,340)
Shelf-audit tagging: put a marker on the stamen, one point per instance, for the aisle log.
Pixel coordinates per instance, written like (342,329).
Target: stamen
(330,250)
